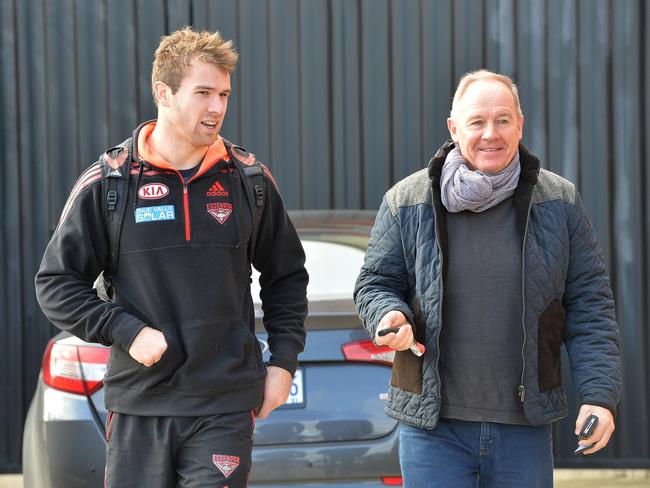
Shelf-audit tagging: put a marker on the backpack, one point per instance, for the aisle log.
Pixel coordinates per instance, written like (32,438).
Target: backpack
(116,166)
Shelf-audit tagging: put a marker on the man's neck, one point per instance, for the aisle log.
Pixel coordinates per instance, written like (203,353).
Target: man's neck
(179,153)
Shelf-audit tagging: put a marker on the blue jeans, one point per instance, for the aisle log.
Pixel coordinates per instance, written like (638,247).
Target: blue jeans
(463,454)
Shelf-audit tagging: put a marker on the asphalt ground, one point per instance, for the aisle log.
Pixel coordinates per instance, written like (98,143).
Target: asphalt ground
(564,478)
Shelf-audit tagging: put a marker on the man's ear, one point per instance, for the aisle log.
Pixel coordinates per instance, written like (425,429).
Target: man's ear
(162,92)
(451,125)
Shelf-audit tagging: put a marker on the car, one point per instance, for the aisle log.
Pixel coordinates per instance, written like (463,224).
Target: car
(332,433)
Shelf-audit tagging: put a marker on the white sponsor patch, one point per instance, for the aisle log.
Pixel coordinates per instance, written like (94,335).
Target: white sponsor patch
(152,191)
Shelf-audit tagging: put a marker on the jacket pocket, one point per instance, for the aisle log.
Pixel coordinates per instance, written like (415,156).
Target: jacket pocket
(125,372)
(221,356)
(550,333)
(407,367)
(407,372)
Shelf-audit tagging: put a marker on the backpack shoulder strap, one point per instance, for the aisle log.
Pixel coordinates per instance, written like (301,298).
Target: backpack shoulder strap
(116,165)
(252,174)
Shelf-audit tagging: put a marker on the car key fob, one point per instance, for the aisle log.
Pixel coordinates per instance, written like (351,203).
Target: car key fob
(580,449)
(388,330)
(415,347)
(588,427)
(586,430)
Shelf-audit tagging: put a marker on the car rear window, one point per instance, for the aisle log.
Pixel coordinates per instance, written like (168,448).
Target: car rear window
(333,269)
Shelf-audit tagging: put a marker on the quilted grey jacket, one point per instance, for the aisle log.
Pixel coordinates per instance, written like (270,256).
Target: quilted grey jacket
(565,292)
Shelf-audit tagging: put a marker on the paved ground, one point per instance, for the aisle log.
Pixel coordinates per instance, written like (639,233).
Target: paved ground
(564,478)
(11,481)
(605,478)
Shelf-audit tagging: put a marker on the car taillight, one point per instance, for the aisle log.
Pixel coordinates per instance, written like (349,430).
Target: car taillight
(73,368)
(393,481)
(365,350)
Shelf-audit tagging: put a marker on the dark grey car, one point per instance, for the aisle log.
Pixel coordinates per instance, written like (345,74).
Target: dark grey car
(332,433)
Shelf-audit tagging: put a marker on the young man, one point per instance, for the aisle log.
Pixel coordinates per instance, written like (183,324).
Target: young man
(492,263)
(185,375)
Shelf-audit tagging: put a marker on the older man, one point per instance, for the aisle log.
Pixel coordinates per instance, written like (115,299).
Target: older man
(492,264)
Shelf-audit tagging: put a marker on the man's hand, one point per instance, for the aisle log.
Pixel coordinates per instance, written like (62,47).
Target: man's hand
(148,346)
(276,390)
(400,341)
(603,430)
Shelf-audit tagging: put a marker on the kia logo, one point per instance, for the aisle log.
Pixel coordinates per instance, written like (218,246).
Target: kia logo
(153,191)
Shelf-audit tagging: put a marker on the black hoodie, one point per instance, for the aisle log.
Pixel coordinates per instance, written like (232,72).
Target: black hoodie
(183,269)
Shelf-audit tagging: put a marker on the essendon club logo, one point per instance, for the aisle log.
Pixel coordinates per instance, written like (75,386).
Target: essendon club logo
(226,464)
(220,211)
(217,190)
(152,191)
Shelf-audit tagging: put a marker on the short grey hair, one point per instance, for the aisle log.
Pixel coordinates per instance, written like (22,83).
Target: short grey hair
(484,75)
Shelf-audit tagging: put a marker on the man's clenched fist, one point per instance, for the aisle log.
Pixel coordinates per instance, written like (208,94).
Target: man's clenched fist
(148,346)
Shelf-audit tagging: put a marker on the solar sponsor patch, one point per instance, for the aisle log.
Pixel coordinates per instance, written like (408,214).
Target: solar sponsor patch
(154,214)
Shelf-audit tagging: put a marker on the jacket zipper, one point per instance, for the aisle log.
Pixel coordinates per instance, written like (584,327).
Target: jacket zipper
(522,386)
(439,306)
(186,206)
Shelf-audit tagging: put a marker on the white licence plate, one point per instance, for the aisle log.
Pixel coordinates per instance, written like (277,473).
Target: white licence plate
(297,393)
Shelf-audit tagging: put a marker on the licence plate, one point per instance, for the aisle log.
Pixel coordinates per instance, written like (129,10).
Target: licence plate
(297,393)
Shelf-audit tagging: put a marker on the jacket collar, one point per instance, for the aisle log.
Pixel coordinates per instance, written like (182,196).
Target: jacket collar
(522,196)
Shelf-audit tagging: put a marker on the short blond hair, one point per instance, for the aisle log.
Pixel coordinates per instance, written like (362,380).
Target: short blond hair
(484,75)
(177,51)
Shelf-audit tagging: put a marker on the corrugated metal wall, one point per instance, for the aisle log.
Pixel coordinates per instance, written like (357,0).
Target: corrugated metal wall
(342,98)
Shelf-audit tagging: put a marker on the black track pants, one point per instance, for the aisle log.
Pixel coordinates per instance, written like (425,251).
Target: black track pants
(184,452)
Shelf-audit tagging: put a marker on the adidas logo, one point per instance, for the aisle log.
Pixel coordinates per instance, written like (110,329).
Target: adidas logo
(217,190)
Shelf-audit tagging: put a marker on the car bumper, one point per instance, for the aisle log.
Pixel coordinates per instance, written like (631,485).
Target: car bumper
(328,464)
(64,446)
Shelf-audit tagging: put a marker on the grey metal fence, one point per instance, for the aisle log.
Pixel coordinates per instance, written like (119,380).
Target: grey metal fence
(342,98)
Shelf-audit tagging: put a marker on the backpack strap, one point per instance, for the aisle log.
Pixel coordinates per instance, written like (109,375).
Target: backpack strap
(116,164)
(252,174)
